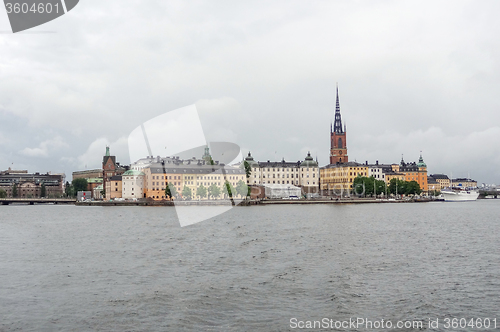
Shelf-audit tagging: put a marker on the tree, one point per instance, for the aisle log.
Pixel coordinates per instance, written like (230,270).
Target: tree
(380,187)
(201,191)
(241,188)
(397,186)
(43,190)
(368,186)
(14,190)
(186,192)
(171,191)
(79,185)
(412,188)
(213,191)
(228,189)
(363,186)
(68,190)
(248,169)
(3,193)
(404,187)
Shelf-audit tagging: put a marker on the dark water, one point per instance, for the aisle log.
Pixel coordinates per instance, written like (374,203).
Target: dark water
(67,268)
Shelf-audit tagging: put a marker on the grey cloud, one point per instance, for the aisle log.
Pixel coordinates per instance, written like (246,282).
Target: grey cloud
(406,73)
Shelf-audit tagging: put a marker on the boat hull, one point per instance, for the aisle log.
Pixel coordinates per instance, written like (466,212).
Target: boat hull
(460,196)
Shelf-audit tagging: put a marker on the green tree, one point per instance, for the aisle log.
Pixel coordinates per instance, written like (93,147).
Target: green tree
(43,190)
(213,191)
(3,193)
(380,187)
(68,189)
(228,190)
(14,190)
(248,169)
(412,188)
(368,186)
(186,193)
(171,191)
(397,186)
(362,186)
(241,188)
(201,191)
(79,185)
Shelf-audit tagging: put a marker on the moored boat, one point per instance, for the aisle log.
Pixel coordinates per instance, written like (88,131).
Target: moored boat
(459,194)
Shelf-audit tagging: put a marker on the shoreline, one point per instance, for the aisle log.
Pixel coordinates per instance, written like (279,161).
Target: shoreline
(247,203)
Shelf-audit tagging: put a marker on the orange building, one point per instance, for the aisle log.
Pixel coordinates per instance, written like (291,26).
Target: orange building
(415,172)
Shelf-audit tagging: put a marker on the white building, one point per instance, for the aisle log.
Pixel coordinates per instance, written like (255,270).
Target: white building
(302,174)
(377,171)
(133,184)
(278,191)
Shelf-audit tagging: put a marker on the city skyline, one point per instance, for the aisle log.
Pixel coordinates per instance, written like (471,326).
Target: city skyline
(410,80)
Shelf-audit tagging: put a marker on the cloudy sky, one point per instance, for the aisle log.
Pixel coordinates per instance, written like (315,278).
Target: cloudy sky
(413,76)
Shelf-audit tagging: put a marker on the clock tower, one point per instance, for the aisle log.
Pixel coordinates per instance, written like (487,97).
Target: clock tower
(338,147)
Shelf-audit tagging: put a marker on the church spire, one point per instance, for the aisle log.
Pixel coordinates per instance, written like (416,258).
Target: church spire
(337,128)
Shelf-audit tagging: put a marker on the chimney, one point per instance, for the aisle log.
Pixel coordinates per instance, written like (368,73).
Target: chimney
(376,162)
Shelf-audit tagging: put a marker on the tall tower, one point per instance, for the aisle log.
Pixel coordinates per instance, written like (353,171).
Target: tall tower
(338,147)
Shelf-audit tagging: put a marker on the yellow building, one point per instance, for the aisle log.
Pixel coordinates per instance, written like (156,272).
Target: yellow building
(189,173)
(393,175)
(443,180)
(114,187)
(338,178)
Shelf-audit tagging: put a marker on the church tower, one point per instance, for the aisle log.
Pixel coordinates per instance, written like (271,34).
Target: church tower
(338,147)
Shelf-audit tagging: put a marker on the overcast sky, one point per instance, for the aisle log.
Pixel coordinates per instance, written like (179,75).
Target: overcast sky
(413,76)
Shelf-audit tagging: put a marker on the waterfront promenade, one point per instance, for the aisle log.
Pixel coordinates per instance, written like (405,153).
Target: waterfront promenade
(32,201)
(246,202)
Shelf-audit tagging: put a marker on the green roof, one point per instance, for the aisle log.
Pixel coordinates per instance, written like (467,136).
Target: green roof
(421,162)
(133,172)
(309,161)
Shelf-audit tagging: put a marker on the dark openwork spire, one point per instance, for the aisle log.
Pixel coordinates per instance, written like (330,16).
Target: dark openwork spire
(337,128)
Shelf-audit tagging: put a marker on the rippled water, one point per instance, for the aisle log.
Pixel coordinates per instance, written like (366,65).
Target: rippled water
(67,268)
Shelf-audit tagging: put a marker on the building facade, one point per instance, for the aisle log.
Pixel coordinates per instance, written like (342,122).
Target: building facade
(464,182)
(443,180)
(338,142)
(303,174)
(110,168)
(22,184)
(415,172)
(338,178)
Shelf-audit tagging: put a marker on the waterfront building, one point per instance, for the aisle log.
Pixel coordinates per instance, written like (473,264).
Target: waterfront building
(191,173)
(338,178)
(97,193)
(31,185)
(377,171)
(133,184)
(87,174)
(415,172)
(443,180)
(390,174)
(113,187)
(464,182)
(280,191)
(110,168)
(338,135)
(303,174)
(433,185)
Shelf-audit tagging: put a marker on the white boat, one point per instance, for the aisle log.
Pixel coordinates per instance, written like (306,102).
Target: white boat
(459,194)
